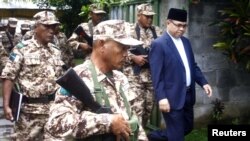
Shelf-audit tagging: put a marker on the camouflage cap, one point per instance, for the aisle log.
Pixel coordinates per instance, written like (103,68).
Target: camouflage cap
(25,25)
(117,30)
(145,9)
(96,8)
(12,22)
(46,17)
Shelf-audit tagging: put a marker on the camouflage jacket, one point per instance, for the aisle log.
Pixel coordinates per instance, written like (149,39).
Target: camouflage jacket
(28,35)
(70,118)
(35,68)
(18,37)
(60,40)
(6,42)
(146,36)
(3,55)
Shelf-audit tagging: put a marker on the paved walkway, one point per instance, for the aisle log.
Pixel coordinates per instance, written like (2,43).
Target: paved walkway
(6,127)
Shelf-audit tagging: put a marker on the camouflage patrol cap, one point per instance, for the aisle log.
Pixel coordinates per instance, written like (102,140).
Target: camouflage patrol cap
(96,8)
(25,25)
(117,30)
(12,22)
(46,17)
(145,9)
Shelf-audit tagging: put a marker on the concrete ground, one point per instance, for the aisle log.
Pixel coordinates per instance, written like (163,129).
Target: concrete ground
(6,127)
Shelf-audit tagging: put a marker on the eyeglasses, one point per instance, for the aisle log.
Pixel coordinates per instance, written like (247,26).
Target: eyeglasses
(179,25)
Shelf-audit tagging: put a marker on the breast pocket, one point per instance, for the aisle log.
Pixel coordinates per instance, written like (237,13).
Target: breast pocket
(32,60)
(56,61)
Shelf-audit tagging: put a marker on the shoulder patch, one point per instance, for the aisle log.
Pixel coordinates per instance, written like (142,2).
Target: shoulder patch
(14,57)
(64,92)
(20,45)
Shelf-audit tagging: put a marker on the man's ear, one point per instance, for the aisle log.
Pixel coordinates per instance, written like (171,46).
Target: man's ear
(101,42)
(138,16)
(100,45)
(167,22)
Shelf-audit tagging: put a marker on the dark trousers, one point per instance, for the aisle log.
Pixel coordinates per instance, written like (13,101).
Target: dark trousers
(178,123)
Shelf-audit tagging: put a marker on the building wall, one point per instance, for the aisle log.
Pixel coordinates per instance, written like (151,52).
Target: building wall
(230,84)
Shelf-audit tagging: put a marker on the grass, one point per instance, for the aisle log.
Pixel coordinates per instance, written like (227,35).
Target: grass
(78,61)
(197,135)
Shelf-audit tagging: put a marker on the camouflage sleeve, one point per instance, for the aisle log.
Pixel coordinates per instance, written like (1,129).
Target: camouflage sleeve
(66,119)
(133,35)
(67,51)
(75,39)
(13,65)
(4,56)
(129,58)
(17,38)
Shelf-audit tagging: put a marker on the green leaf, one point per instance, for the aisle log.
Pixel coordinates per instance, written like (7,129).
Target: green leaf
(248,65)
(220,45)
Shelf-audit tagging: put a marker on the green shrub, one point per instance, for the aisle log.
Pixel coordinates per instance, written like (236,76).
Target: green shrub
(234,34)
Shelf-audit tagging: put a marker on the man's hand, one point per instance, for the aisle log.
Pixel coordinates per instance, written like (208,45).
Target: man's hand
(207,88)
(84,46)
(164,105)
(120,127)
(8,113)
(139,59)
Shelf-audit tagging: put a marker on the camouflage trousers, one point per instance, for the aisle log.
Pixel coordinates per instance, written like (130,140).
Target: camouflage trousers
(143,103)
(29,127)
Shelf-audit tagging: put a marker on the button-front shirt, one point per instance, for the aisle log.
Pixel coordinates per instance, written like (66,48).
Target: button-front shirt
(180,47)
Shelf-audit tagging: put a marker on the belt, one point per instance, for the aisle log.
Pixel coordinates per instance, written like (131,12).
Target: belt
(44,99)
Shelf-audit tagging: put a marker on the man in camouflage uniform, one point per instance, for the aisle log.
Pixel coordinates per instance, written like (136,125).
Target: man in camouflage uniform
(77,39)
(3,52)
(3,55)
(2,27)
(70,118)
(33,65)
(137,68)
(28,35)
(9,40)
(67,52)
(25,27)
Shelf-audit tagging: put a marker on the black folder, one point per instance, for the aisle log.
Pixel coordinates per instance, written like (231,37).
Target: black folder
(15,104)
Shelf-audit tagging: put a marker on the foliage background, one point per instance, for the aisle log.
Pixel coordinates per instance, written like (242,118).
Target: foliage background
(73,12)
(234,38)
(68,11)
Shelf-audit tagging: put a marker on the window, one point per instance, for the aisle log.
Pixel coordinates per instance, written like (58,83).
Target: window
(128,11)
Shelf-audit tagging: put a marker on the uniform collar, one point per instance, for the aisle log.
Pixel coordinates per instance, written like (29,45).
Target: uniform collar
(37,44)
